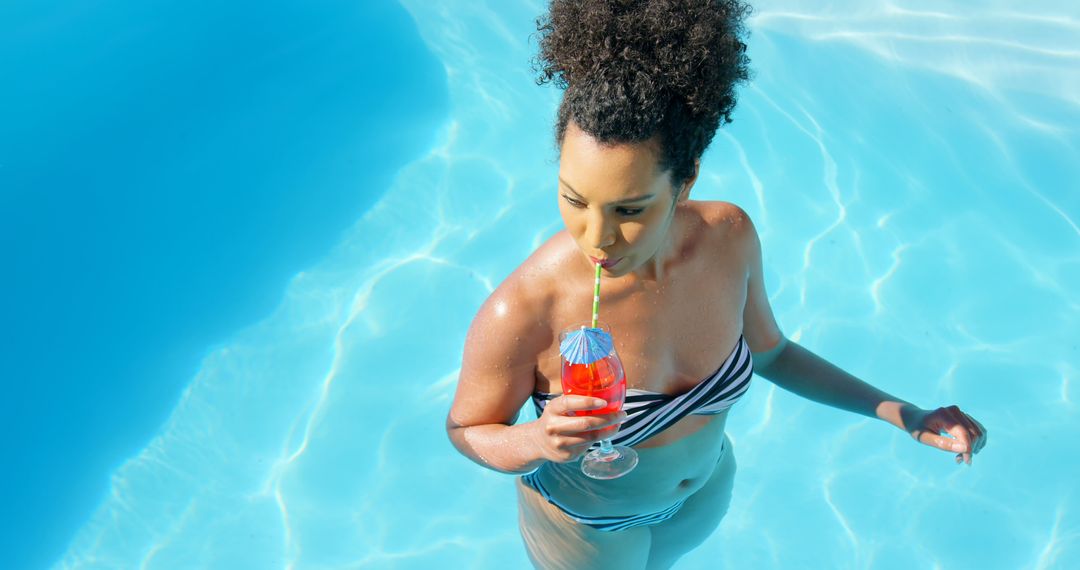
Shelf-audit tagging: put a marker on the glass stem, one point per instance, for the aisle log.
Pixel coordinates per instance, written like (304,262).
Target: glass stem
(605,446)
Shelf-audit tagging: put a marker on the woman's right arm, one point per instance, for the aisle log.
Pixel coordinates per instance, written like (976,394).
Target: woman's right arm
(498,374)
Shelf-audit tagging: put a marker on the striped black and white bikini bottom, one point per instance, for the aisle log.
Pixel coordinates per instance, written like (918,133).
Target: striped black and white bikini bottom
(605,523)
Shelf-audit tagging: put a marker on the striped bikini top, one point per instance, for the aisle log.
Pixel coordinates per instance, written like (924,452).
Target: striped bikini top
(649,413)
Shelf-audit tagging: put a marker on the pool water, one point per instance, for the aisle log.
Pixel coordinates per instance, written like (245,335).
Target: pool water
(913,174)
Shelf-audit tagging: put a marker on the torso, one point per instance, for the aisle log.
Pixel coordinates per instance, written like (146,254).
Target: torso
(669,335)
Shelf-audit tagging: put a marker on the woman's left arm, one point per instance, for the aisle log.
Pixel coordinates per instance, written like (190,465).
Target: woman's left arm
(800,371)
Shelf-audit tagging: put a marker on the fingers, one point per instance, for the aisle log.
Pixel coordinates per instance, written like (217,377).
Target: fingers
(568,437)
(968,435)
(569,404)
(977,431)
(973,434)
(941,442)
(580,414)
(593,425)
(571,424)
(961,439)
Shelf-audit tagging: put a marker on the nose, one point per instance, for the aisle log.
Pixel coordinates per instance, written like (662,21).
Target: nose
(600,232)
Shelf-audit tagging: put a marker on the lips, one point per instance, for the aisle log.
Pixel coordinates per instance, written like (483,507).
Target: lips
(606,263)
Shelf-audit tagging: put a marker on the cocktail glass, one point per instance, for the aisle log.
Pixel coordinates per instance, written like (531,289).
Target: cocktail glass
(603,378)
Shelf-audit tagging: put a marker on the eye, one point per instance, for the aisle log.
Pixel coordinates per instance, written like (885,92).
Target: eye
(572,201)
(628,212)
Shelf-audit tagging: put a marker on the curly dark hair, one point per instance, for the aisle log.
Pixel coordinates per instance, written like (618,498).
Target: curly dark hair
(633,69)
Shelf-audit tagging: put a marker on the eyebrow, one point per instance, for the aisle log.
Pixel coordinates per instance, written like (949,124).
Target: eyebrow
(626,201)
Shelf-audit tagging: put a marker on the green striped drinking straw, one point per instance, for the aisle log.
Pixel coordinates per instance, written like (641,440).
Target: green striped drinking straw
(596,298)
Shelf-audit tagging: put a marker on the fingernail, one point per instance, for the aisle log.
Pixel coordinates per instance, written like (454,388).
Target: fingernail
(958,447)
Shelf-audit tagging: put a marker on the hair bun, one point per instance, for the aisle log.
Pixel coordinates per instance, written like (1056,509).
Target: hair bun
(691,49)
(635,68)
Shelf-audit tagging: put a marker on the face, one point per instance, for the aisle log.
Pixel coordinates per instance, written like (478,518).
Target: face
(616,202)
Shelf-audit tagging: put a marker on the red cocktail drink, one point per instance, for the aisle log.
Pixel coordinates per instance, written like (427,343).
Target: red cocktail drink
(603,379)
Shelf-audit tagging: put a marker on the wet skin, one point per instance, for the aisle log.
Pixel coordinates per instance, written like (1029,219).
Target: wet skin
(676,302)
(670,334)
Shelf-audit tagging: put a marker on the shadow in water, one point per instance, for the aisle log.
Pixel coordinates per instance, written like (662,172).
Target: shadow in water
(165,168)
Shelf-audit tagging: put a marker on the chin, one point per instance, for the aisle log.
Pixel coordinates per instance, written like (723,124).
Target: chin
(620,269)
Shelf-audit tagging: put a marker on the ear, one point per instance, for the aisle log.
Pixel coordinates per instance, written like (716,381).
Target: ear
(684,194)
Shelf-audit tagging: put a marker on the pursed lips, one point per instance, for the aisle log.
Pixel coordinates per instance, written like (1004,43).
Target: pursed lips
(605,262)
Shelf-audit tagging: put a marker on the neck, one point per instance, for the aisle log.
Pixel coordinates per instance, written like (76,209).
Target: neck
(657,269)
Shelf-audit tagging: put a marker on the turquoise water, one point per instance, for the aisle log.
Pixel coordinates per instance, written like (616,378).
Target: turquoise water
(913,172)
(166,168)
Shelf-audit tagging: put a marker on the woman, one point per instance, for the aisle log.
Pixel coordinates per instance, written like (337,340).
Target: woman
(647,85)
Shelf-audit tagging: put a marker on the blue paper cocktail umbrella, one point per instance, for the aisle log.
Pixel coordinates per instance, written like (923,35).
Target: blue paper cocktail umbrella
(585,345)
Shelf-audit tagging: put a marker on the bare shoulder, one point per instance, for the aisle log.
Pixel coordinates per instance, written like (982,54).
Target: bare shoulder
(517,309)
(504,342)
(523,301)
(730,226)
(723,216)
